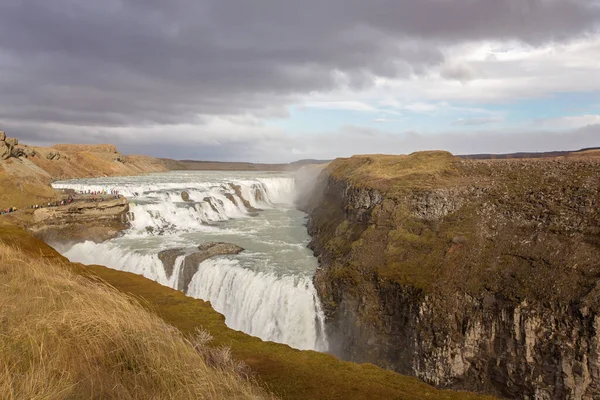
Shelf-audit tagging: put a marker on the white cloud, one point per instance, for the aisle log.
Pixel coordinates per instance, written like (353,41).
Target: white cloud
(475,121)
(575,121)
(339,105)
(422,107)
(505,72)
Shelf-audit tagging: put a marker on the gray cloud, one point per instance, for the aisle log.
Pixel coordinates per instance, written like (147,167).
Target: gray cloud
(116,62)
(89,66)
(460,72)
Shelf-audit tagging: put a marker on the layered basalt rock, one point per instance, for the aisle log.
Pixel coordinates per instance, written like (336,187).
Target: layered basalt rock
(192,259)
(80,221)
(479,275)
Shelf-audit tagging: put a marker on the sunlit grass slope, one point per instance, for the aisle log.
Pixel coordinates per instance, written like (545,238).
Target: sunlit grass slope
(67,336)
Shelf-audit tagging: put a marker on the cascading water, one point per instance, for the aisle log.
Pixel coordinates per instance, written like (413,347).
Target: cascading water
(265,291)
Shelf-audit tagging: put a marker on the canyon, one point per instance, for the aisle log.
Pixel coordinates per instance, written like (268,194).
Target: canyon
(478,275)
(25,179)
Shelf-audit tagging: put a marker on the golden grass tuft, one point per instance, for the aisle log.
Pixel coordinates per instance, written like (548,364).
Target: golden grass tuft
(67,336)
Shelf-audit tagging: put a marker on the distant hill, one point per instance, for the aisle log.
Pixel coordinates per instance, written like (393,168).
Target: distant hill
(527,154)
(194,165)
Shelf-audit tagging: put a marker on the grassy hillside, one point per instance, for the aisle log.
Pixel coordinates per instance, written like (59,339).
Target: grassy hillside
(67,336)
(288,373)
(26,180)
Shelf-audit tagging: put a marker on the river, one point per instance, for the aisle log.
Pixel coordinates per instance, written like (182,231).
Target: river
(265,291)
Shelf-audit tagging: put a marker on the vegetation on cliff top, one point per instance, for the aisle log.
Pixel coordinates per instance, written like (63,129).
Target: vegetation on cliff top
(394,172)
(288,373)
(445,224)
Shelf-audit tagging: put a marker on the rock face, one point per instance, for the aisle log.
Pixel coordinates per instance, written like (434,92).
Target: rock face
(53,156)
(5,151)
(193,257)
(479,275)
(238,191)
(80,221)
(8,147)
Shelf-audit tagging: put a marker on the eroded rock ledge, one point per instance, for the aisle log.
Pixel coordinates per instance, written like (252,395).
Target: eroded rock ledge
(80,221)
(192,258)
(478,275)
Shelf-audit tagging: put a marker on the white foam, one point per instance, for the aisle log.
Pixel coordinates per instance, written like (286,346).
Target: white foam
(281,309)
(158,207)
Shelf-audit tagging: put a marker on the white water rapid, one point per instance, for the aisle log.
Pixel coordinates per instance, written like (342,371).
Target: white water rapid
(265,291)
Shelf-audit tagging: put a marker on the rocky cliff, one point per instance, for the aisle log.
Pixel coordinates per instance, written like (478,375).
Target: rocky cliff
(80,221)
(27,171)
(481,275)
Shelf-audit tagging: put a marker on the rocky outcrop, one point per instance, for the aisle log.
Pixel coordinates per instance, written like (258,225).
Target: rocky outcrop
(238,191)
(11,142)
(8,147)
(479,275)
(192,259)
(4,151)
(80,221)
(53,156)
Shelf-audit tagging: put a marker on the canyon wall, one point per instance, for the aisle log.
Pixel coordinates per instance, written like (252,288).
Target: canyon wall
(478,275)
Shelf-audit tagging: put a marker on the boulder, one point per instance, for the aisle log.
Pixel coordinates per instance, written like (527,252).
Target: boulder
(220,248)
(53,156)
(17,152)
(29,152)
(12,142)
(2,136)
(185,196)
(4,151)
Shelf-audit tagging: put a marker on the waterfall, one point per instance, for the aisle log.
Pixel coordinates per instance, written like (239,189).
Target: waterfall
(283,309)
(266,291)
(158,208)
(280,309)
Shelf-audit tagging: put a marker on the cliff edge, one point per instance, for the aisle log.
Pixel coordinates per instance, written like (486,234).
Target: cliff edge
(27,171)
(480,275)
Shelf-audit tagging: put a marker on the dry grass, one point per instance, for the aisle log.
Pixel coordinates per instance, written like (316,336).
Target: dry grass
(396,172)
(68,336)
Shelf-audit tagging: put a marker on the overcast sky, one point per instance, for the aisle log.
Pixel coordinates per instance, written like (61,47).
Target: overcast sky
(279,80)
